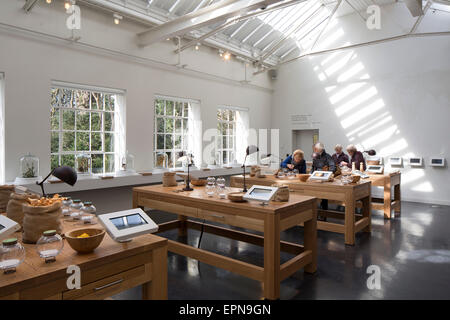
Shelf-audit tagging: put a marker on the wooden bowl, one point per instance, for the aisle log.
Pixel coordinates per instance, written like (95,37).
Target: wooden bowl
(303,176)
(85,245)
(198,182)
(355,179)
(236,196)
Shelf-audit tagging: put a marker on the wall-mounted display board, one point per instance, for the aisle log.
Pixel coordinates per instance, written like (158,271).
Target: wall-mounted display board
(395,161)
(415,161)
(437,162)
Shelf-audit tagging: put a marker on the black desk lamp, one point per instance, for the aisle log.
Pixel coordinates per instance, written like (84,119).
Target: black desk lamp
(188,159)
(371,152)
(250,150)
(64,173)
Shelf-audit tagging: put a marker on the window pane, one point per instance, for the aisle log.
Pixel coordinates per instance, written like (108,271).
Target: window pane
(68,160)
(110,101)
(178,125)
(178,109)
(186,110)
(177,156)
(54,162)
(169,125)
(231,142)
(185,126)
(225,143)
(82,141)
(224,157)
(54,146)
(178,142)
(219,127)
(159,107)
(83,120)
(109,163)
(96,141)
(109,142)
(54,119)
(109,121)
(219,142)
(160,141)
(232,115)
(169,159)
(169,141)
(96,121)
(169,108)
(82,99)
(224,129)
(97,163)
(66,98)
(230,128)
(68,141)
(68,120)
(54,97)
(185,143)
(159,124)
(96,101)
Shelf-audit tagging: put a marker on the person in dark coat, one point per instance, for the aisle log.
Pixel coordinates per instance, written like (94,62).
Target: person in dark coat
(322,161)
(356,157)
(339,157)
(295,161)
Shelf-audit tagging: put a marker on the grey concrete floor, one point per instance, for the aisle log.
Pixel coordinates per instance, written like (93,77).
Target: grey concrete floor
(412,252)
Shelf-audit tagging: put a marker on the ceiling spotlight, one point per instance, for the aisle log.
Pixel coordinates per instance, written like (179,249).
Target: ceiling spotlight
(67,5)
(168,39)
(197,46)
(226,56)
(117,18)
(48,1)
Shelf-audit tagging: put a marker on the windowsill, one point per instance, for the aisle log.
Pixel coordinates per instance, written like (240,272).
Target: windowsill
(124,179)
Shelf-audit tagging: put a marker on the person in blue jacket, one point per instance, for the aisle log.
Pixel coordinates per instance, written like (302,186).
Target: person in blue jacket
(295,161)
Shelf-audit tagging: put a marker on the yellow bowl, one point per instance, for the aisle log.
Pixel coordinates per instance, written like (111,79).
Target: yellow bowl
(88,244)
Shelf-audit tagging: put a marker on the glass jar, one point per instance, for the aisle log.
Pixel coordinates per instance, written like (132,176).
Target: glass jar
(210,186)
(161,160)
(75,209)
(88,213)
(83,163)
(127,162)
(221,188)
(66,203)
(12,254)
(49,245)
(29,166)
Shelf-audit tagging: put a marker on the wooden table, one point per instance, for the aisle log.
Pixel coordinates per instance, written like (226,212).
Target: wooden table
(390,201)
(112,268)
(347,194)
(270,219)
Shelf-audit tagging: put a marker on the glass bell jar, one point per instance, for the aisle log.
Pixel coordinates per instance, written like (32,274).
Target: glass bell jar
(49,245)
(12,254)
(127,164)
(88,213)
(29,169)
(83,164)
(161,161)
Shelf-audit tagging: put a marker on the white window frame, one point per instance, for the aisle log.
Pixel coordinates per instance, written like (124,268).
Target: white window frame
(185,134)
(230,136)
(118,124)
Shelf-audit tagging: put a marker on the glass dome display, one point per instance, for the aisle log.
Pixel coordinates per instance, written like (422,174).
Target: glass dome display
(83,163)
(161,160)
(12,254)
(49,245)
(66,203)
(29,167)
(75,209)
(127,162)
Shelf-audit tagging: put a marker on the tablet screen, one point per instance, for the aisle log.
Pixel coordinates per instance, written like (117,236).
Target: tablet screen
(261,193)
(130,221)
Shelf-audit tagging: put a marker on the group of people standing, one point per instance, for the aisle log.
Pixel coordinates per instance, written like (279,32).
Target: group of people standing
(323,161)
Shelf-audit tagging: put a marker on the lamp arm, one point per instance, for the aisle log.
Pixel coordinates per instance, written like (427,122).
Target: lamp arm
(41,184)
(243,166)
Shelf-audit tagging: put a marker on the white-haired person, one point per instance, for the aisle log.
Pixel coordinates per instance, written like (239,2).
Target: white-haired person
(322,161)
(356,157)
(339,157)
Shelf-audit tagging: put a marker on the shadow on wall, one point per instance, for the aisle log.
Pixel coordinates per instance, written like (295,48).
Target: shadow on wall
(359,106)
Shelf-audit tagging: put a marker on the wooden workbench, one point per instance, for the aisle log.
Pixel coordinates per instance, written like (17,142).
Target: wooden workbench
(390,201)
(112,268)
(347,194)
(270,219)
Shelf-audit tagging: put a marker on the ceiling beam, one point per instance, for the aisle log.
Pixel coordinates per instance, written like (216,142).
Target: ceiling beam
(29,4)
(326,24)
(237,20)
(419,19)
(211,14)
(415,7)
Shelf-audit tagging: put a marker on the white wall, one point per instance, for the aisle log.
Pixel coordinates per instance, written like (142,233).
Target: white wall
(411,79)
(31,62)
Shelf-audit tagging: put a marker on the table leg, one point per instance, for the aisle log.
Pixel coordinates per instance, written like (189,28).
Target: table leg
(156,289)
(135,199)
(310,240)
(387,199)
(272,257)
(398,199)
(182,229)
(367,212)
(349,221)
